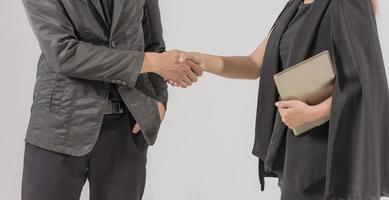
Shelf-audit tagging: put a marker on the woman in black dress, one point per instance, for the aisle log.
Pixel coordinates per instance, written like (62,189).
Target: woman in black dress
(345,158)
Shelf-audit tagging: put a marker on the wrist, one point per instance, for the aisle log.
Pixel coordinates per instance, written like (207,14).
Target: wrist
(319,112)
(152,63)
(206,61)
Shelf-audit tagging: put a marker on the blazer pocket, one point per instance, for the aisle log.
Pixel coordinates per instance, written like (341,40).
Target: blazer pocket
(56,96)
(62,96)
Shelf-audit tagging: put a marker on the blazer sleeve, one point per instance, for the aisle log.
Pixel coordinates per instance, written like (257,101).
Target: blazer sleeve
(154,43)
(70,56)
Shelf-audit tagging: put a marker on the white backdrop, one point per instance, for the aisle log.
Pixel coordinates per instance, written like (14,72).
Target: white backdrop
(204,148)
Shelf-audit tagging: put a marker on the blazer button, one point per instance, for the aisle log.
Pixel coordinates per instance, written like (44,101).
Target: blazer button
(114,43)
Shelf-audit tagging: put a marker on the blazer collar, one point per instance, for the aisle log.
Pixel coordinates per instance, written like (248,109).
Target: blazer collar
(117,10)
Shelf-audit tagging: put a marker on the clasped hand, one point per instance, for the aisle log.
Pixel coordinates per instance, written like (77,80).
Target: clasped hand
(172,68)
(176,70)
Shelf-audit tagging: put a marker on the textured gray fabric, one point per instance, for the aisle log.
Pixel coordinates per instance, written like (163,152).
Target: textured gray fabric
(115,168)
(357,165)
(81,55)
(107,6)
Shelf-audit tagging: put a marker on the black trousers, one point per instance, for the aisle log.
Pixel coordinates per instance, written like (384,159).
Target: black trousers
(115,168)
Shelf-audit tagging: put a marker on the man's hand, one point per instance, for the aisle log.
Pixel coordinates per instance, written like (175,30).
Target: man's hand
(193,59)
(161,109)
(168,66)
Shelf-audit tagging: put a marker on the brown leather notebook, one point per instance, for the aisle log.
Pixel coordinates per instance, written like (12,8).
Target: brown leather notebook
(311,81)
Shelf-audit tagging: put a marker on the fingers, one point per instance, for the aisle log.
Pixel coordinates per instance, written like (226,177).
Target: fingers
(286,104)
(182,84)
(285,117)
(196,68)
(284,113)
(185,71)
(173,83)
(192,76)
(136,129)
(282,104)
(187,77)
(170,82)
(161,109)
(194,61)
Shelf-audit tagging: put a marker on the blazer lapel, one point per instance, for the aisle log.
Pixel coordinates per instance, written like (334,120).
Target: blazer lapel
(117,9)
(301,44)
(97,6)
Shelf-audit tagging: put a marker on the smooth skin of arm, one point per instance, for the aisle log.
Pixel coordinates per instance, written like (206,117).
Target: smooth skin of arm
(235,67)
(293,113)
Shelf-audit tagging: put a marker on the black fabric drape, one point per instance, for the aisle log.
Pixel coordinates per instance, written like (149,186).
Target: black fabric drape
(357,158)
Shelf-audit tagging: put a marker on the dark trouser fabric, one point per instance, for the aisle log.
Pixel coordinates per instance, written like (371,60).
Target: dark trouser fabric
(115,168)
(304,158)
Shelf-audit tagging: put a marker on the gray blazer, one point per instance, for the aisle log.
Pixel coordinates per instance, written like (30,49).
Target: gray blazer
(80,56)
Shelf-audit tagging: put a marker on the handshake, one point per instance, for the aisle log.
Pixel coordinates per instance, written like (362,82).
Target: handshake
(178,68)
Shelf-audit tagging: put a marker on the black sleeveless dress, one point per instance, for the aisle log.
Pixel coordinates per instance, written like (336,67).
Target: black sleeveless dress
(300,162)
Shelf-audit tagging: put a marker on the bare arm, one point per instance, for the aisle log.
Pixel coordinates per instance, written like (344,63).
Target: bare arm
(236,67)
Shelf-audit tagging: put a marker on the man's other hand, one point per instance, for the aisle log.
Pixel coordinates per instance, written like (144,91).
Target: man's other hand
(161,108)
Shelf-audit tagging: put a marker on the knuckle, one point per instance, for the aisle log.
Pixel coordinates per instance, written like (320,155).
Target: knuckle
(187,68)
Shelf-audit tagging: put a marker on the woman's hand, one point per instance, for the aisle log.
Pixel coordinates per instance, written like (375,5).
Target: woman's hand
(195,57)
(296,113)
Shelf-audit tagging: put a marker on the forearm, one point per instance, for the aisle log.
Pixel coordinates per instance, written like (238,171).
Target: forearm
(323,109)
(236,67)
(90,62)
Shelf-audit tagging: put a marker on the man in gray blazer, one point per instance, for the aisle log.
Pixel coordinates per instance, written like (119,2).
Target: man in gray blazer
(99,98)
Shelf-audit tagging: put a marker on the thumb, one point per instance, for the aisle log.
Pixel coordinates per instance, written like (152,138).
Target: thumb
(284,104)
(191,56)
(182,57)
(136,129)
